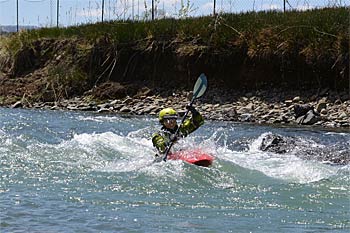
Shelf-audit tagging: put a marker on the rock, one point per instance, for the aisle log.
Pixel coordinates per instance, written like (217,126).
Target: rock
(125,109)
(151,108)
(342,115)
(72,107)
(288,102)
(18,104)
(81,107)
(55,107)
(304,149)
(246,109)
(345,124)
(296,99)
(337,102)
(300,120)
(113,102)
(127,100)
(275,112)
(244,99)
(321,105)
(103,106)
(311,118)
(246,117)
(301,110)
(283,118)
(117,107)
(324,111)
(276,144)
(104,110)
(38,105)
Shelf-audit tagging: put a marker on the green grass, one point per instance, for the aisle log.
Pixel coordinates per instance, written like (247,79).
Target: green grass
(313,24)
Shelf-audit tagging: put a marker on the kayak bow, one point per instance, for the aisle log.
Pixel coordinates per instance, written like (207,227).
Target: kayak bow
(197,157)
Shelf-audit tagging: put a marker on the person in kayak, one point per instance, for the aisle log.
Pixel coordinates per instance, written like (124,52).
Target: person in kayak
(167,118)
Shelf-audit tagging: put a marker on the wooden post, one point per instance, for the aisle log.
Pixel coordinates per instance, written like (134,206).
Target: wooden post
(58,13)
(284,6)
(152,9)
(17,17)
(214,8)
(132,10)
(103,6)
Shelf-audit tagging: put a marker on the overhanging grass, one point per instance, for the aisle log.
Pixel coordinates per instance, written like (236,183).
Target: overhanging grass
(316,29)
(328,20)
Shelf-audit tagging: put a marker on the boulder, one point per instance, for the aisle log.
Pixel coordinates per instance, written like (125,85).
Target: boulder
(305,149)
(309,118)
(301,110)
(276,144)
(321,105)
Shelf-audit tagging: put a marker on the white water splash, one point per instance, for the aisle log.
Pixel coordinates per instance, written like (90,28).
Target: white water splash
(286,167)
(99,118)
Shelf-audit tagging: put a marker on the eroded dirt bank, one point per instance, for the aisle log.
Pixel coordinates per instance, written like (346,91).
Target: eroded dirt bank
(143,76)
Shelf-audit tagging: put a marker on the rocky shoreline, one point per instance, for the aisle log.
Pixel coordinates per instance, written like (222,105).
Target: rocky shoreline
(324,109)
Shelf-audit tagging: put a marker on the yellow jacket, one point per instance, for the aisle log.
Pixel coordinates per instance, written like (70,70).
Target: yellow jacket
(161,140)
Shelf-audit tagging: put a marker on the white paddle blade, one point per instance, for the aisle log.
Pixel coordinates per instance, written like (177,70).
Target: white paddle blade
(200,87)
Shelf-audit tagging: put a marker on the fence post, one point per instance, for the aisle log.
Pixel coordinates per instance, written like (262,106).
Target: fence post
(17,16)
(284,6)
(132,9)
(214,8)
(58,12)
(152,9)
(103,6)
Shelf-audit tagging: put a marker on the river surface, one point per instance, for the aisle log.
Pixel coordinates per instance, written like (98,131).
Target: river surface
(84,172)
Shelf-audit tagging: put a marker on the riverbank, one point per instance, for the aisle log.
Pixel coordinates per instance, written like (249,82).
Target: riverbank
(263,67)
(277,107)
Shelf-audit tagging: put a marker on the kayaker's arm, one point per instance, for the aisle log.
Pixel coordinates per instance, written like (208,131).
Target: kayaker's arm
(159,142)
(192,123)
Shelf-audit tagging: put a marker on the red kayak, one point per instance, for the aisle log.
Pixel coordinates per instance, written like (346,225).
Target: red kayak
(196,157)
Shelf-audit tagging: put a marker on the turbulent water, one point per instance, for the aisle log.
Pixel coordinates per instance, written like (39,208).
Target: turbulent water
(84,172)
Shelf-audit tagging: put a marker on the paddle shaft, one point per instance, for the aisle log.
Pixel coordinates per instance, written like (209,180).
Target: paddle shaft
(177,131)
(198,90)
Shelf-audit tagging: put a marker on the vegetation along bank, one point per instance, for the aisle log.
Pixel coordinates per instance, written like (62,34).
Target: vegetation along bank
(265,67)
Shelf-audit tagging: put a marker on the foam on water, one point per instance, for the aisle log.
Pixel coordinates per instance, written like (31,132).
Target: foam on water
(286,167)
(110,152)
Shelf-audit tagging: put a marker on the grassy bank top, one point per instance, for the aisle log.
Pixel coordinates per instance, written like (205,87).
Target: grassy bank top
(319,26)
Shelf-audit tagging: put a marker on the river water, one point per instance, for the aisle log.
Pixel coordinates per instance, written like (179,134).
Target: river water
(85,172)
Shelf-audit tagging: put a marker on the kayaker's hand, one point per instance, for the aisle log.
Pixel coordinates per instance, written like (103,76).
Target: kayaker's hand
(173,138)
(192,110)
(190,107)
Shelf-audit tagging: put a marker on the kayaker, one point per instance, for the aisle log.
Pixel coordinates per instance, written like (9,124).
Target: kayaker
(167,118)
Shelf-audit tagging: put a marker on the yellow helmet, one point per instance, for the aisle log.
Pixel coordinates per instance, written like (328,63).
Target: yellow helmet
(167,113)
